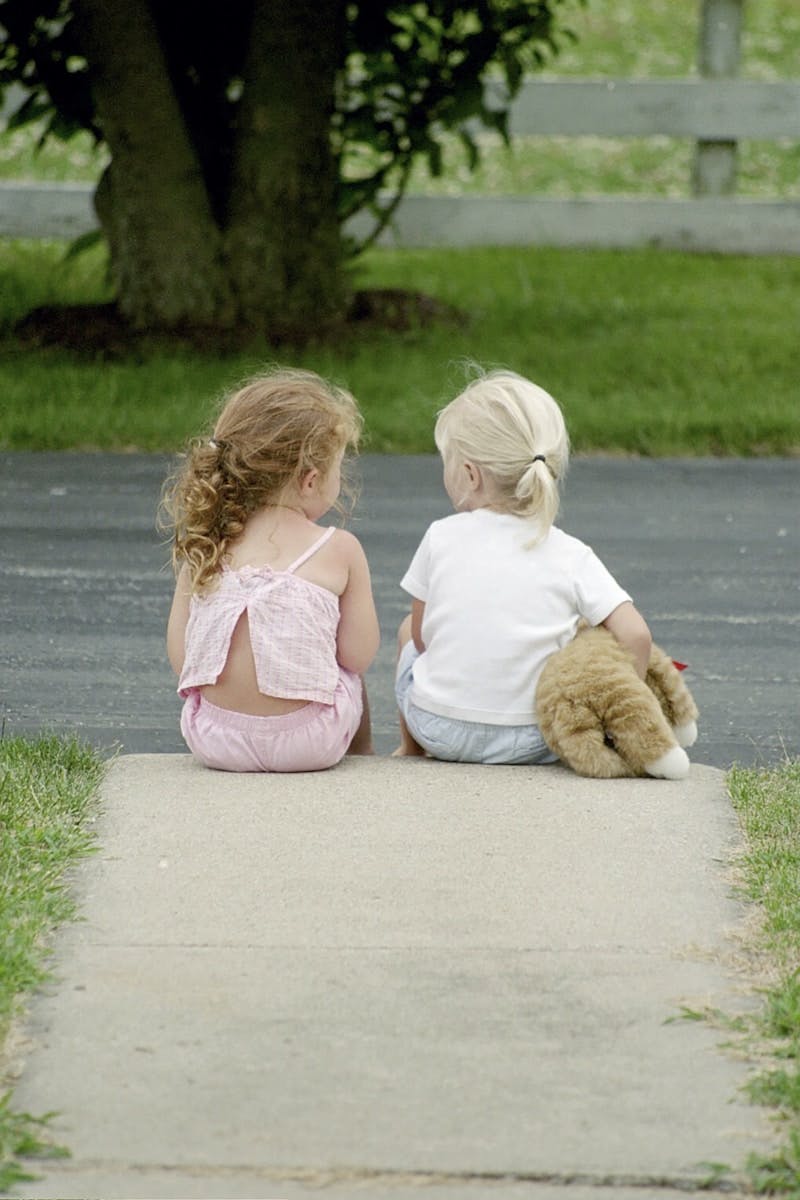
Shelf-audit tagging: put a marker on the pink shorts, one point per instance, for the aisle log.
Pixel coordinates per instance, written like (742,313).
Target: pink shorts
(310,739)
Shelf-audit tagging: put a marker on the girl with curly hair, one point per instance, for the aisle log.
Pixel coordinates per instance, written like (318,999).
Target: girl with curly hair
(273,622)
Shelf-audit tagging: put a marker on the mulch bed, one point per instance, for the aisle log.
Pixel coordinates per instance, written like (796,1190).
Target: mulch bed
(100,330)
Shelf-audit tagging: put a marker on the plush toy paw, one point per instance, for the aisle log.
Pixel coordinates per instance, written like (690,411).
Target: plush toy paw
(672,765)
(686,734)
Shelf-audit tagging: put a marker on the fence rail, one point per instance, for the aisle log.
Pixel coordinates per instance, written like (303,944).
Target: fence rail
(720,225)
(711,111)
(719,109)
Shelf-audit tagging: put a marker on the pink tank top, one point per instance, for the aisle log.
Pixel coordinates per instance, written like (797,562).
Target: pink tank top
(293,626)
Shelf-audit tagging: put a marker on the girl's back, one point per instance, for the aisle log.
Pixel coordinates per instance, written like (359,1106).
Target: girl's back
(496,606)
(272,565)
(273,621)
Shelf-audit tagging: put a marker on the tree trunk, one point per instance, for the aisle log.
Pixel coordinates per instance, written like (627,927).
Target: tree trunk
(284,245)
(166,249)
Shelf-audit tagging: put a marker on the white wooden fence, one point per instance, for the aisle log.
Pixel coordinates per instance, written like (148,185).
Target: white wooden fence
(715,111)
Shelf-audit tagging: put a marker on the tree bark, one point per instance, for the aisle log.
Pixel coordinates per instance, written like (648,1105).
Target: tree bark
(283,241)
(166,249)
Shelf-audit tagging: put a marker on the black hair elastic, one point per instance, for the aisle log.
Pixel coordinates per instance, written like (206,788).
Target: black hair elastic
(538,458)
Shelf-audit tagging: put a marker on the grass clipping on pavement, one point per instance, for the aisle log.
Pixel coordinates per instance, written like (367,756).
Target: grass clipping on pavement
(48,792)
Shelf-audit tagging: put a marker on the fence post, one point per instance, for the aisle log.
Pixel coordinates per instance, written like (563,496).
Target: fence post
(714,172)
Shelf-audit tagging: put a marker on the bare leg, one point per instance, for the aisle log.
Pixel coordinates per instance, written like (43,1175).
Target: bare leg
(408,748)
(362,738)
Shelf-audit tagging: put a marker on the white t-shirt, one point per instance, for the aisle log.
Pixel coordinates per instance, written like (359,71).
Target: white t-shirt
(495,611)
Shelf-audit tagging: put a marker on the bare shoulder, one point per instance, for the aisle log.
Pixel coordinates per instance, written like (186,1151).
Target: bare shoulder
(347,544)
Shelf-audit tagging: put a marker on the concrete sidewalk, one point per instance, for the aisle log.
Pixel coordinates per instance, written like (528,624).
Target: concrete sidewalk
(391,977)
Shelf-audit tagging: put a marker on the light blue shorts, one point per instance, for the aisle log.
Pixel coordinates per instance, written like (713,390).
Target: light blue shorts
(453,740)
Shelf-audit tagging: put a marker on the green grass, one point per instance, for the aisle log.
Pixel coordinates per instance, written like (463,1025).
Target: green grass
(579,166)
(768,806)
(652,38)
(48,788)
(648,352)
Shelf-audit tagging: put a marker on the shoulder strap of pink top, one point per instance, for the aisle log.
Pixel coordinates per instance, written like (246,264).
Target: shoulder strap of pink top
(312,549)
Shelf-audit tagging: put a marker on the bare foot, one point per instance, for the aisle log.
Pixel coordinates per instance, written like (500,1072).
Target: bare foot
(408,748)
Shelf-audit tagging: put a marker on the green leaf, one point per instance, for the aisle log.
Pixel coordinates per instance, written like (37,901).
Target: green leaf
(86,241)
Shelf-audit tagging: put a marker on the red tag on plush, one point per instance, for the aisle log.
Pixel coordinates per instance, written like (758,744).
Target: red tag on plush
(679,666)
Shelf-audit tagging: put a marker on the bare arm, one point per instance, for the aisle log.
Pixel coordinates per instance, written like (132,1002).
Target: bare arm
(417,615)
(178,619)
(359,635)
(631,631)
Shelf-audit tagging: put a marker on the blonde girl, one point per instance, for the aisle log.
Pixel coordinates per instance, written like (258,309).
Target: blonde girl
(497,588)
(273,622)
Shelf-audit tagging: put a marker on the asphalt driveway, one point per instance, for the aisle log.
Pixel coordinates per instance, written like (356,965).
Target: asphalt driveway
(709,549)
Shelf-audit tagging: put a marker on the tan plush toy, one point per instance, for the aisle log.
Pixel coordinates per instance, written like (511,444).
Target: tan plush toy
(599,717)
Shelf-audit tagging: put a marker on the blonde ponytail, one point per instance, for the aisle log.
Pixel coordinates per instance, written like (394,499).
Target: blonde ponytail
(515,432)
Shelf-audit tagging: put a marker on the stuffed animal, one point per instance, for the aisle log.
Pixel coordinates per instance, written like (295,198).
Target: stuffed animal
(602,720)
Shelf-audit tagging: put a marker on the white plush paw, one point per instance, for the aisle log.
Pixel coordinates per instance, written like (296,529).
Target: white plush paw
(686,735)
(672,765)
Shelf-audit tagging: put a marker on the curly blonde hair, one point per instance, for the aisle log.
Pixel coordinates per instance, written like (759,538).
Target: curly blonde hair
(270,432)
